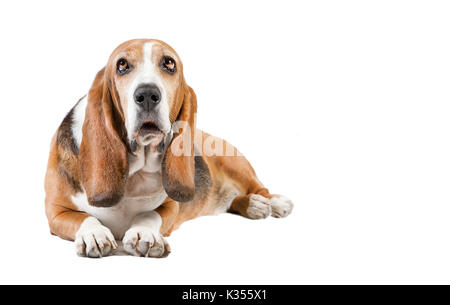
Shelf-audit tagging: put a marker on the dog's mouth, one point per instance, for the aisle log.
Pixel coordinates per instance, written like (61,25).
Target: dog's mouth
(149,127)
(148,133)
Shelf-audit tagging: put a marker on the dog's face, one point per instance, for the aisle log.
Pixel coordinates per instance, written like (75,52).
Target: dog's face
(135,100)
(148,78)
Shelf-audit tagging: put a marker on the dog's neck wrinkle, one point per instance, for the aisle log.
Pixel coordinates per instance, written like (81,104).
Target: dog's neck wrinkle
(153,160)
(145,174)
(146,159)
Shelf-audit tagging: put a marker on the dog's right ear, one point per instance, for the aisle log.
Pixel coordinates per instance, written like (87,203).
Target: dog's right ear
(103,153)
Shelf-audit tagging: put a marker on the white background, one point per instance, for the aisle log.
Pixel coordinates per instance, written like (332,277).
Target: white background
(343,106)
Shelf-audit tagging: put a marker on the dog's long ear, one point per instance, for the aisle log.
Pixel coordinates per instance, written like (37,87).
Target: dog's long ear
(178,166)
(103,154)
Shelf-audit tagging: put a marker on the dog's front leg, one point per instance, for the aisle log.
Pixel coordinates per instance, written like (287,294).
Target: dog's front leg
(92,239)
(145,236)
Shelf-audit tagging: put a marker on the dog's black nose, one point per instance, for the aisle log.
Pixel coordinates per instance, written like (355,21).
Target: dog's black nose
(147,96)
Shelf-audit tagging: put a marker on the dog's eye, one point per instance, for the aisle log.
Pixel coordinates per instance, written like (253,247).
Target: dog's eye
(168,64)
(122,66)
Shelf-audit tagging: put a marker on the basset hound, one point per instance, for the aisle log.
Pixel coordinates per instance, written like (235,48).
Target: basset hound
(127,163)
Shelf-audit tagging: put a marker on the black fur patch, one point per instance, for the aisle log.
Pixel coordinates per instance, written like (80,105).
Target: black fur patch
(202,178)
(133,145)
(69,178)
(65,135)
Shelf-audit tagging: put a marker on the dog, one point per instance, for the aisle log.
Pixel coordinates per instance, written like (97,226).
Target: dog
(127,163)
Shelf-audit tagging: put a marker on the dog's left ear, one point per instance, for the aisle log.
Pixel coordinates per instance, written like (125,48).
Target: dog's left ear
(178,166)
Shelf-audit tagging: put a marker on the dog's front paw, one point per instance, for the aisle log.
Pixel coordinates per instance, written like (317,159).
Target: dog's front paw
(144,241)
(281,206)
(93,239)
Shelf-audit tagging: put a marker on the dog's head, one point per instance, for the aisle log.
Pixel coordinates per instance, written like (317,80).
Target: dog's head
(136,99)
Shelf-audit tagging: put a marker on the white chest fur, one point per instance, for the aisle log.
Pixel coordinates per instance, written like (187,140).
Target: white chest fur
(144,192)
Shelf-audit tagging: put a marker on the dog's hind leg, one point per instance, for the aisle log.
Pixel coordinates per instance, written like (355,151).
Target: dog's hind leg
(261,204)
(255,201)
